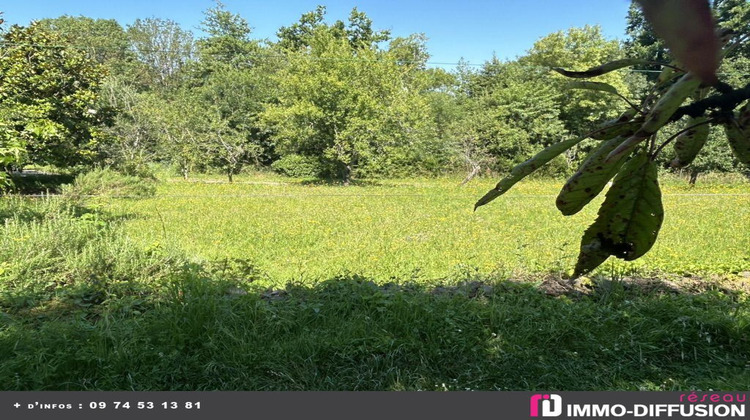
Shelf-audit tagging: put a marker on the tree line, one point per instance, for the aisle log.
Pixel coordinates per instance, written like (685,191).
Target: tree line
(334,100)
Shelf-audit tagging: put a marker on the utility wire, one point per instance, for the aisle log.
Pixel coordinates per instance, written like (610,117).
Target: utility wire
(251,56)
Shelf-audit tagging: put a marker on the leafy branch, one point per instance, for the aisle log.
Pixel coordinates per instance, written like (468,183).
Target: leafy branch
(629,219)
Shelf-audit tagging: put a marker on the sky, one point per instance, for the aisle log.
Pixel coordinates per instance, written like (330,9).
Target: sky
(472,30)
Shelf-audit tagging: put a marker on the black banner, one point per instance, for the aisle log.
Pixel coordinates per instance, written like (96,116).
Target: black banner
(372,405)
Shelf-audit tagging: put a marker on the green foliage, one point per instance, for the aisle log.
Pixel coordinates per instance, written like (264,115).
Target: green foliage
(358,33)
(630,218)
(228,41)
(688,144)
(103,40)
(350,108)
(39,183)
(48,98)
(12,148)
(521,171)
(579,49)
(356,99)
(162,47)
(134,136)
(298,166)
(511,112)
(715,156)
(54,253)
(108,183)
(590,178)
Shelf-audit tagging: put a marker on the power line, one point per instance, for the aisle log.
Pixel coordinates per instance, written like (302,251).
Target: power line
(305,57)
(249,56)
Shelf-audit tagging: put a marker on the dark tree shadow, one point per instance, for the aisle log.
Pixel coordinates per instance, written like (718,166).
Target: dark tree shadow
(207,330)
(340,183)
(39,183)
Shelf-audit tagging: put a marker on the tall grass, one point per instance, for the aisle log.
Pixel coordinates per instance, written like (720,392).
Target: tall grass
(92,300)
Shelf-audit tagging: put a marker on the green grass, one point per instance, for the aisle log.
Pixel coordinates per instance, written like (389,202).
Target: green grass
(426,229)
(272,285)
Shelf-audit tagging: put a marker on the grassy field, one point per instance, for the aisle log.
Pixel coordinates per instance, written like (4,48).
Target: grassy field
(424,230)
(271,284)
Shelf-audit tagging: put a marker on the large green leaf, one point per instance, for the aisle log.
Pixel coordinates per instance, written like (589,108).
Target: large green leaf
(688,144)
(524,169)
(629,219)
(739,140)
(590,179)
(595,86)
(603,69)
(616,128)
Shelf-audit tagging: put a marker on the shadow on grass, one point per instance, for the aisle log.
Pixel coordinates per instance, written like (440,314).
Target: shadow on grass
(37,209)
(349,333)
(39,183)
(339,183)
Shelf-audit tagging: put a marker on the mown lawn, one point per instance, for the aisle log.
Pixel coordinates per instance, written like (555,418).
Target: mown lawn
(275,285)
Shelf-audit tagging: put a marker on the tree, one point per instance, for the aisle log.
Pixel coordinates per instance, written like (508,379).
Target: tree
(133,139)
(181,128)
(162,46)
(48,96)
(358,33)
(643,43)
(232,81)
(229,147)
(228,41)
(579,49)
(510,112)
(347,106)
(103,40)
(299,35)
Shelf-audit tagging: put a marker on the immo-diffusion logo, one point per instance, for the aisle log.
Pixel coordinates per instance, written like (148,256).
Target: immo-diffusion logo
(551,405)
(711,405)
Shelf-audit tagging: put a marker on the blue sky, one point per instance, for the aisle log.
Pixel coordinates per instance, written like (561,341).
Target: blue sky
(469,29)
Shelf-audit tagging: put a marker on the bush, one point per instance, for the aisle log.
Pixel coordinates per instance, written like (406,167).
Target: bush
(106,182)
(138,169)
(298,166)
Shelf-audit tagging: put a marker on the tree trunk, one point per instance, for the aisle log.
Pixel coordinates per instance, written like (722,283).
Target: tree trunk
(693,177)
(474,172)
(230,176)
(347,175)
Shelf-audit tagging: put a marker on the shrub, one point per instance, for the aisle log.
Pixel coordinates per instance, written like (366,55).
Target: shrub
(298,166)
(106,182)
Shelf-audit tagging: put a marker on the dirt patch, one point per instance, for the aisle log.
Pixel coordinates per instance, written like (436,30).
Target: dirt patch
(556,286)
(551,285)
